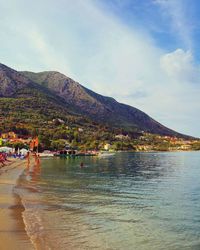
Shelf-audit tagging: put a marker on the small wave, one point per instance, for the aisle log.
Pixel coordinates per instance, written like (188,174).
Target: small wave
(35,228)
(32,214)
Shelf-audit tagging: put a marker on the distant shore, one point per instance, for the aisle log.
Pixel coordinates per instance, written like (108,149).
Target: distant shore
(12,232)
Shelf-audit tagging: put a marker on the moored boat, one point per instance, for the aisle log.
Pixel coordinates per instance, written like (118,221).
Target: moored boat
(46,153)
(105,154)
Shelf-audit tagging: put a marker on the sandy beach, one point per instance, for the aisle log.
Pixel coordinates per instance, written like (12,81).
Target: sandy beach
(12,233)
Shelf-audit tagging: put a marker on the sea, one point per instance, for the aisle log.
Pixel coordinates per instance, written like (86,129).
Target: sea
(125,201)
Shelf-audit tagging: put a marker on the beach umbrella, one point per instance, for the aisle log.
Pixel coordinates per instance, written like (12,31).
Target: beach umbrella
(24,151)
(6,149)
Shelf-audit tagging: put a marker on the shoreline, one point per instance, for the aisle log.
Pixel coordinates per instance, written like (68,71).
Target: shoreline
(12,229)
(154,151)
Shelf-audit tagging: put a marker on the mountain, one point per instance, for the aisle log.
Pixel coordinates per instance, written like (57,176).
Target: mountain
(98,107)
(51,94)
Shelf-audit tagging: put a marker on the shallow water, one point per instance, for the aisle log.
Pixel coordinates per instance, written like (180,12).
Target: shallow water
(125,201)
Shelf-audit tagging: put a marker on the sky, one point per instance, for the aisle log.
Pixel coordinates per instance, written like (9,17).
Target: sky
(145,53)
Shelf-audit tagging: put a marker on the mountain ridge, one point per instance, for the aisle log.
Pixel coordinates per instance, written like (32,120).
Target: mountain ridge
(78,100)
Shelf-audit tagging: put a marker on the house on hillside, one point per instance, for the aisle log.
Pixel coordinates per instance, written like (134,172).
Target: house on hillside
(58,121)
(122,137)
(107,146)
(9,135)
(80,130)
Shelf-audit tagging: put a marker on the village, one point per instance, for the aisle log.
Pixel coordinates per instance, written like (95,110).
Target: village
(120,142)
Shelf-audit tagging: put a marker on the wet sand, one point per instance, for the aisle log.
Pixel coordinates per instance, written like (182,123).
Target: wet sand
(12,232)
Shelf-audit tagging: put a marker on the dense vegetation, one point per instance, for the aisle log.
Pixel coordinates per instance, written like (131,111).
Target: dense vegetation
(28,115)
(62,112)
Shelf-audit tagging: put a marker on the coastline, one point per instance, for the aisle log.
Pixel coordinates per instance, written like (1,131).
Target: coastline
(12,231)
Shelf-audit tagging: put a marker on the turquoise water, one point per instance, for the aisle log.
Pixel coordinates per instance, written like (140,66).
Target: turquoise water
(125,201)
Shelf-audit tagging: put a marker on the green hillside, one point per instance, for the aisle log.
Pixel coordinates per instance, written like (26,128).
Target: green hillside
(61,110)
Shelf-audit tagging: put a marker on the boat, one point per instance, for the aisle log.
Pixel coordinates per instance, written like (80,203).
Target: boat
(74,153)
(85,154)
(105,154)
(66,153)
(46,153)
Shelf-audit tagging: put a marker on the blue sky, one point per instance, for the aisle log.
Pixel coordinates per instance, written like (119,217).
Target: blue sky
(142,52)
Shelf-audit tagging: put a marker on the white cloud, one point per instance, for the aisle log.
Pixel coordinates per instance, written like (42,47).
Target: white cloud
(179,66)
(177,12)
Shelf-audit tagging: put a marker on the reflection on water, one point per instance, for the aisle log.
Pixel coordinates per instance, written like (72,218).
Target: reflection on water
(126,201)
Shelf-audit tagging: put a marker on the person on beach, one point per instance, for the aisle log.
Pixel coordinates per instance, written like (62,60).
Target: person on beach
(38,159)
(35,157)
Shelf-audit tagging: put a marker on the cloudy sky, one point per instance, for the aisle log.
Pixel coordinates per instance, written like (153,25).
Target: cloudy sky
(142,52)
